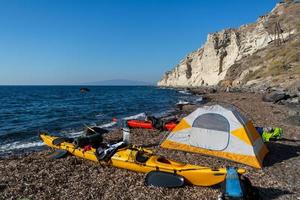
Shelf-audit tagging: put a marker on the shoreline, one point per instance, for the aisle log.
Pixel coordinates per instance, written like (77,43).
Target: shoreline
(32,176)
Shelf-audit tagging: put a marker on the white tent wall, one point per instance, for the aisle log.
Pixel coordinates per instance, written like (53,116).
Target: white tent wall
(221,132)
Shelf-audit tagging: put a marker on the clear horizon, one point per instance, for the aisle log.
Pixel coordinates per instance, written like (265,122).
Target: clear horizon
(111,82)
(74,42)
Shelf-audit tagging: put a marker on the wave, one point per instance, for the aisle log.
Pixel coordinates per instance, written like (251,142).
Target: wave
(137,116)
(180,102)
(199,100)
(20,145)
(100,115)
(184,92)
(140,116)
(108,125)
(75,134)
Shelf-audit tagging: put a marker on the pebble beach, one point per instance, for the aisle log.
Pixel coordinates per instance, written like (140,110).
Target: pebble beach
(33,176)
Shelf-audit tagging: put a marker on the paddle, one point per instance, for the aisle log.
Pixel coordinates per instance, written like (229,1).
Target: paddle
(95,130)
(164,179)
(57,154)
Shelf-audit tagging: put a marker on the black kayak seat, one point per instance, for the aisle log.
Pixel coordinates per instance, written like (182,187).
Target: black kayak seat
(94,140)
(141,157)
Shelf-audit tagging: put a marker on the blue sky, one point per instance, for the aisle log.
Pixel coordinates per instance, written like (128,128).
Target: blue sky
(77,41)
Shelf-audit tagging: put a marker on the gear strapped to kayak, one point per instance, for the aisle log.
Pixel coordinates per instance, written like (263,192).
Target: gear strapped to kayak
(106,151)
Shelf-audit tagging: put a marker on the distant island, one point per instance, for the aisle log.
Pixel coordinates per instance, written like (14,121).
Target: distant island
(119,82)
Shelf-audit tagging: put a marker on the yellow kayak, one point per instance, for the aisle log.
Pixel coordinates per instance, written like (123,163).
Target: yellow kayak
(143,160)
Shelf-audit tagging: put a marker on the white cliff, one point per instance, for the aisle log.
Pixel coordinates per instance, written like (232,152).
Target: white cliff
(209,64)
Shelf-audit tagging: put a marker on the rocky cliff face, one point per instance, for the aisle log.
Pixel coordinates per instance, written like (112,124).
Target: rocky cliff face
(227,56)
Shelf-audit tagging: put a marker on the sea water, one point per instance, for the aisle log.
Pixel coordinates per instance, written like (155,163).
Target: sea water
(64,110)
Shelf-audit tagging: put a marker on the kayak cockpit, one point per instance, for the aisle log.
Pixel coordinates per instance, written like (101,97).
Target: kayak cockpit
(163,162)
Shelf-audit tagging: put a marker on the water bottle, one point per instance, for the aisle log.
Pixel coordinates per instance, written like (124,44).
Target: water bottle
(126,135)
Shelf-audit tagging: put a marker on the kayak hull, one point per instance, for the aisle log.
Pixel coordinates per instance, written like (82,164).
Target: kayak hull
(148,125)
(125,158)
(139,124)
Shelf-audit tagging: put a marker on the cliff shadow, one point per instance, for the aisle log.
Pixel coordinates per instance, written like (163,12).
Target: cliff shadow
(271,193)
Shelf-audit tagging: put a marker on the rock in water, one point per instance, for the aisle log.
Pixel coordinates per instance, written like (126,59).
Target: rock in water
(84,90)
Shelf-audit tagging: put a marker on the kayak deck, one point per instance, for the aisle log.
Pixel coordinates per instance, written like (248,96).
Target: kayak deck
(143,160)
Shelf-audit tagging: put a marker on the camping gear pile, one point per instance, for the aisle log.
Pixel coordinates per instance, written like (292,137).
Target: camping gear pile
(212,130)
(270,133)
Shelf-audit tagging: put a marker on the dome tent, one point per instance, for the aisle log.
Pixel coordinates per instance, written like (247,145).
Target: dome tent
(221,132)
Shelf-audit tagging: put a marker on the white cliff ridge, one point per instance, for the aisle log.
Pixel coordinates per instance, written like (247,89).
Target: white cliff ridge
(209,64)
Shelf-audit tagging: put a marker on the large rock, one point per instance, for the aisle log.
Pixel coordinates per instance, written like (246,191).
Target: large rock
(275,97)
(294,100)
(2,186)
